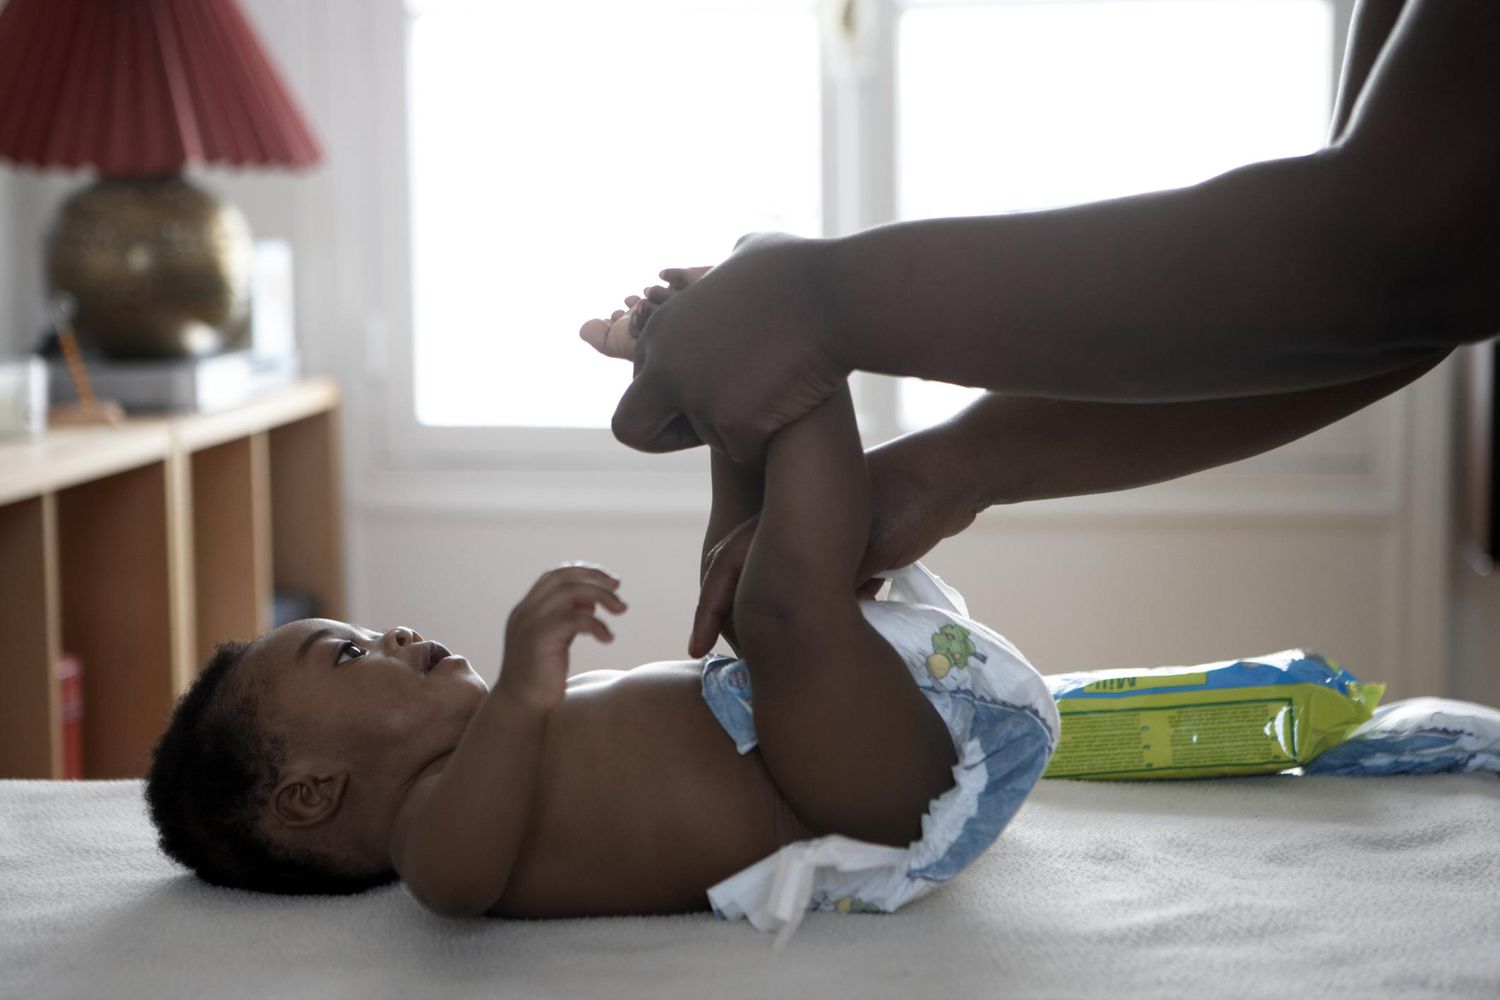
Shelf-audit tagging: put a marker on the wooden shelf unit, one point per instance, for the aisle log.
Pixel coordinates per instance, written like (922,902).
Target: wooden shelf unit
(138,547)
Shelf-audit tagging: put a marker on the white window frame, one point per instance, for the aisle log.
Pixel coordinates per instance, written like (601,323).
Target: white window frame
(576,467)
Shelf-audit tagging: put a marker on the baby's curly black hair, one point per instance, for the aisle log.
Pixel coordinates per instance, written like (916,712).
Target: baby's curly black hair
(212,773)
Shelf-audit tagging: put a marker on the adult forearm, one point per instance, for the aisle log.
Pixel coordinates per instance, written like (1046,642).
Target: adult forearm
(1265,279)
(1023,448)
(1274,277)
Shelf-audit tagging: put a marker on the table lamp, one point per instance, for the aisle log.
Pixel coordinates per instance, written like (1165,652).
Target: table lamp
(153,265)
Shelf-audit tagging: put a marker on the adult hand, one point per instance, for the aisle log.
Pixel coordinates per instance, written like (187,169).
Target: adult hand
(916,502)
(736,356)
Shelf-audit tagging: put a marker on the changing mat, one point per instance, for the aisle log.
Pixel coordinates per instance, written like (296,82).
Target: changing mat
(1269,887)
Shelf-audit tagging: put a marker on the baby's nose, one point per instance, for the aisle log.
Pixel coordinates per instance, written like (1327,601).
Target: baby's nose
(401,636)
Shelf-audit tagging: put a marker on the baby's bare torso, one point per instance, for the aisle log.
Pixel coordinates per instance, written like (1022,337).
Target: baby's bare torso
(643,801)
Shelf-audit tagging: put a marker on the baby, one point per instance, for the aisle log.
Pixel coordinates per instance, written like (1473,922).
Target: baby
(888,746)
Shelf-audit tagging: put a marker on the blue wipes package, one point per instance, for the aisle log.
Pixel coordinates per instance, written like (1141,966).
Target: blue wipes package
(1417,736)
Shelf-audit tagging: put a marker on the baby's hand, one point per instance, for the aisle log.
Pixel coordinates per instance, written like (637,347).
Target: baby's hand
(541,628)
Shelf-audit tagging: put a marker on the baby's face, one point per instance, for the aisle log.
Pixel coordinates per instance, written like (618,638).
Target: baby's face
(389,701)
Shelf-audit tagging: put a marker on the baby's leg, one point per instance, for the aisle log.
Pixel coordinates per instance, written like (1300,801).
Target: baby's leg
(853,745)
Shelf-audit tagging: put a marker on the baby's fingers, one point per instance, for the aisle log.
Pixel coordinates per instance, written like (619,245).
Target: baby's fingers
(585,596)
(582,621)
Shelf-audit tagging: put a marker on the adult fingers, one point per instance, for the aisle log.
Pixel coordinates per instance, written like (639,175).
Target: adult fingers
(646,421)
(716,597)
(640,314)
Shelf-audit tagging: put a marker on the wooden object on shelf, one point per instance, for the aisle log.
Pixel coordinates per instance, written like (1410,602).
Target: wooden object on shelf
(87,410)
(139,546)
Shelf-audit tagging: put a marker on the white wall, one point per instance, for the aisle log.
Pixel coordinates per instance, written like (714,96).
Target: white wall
(1476,636)
(1354,562)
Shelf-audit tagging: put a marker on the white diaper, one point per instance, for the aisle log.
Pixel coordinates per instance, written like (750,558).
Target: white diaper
(1004,726)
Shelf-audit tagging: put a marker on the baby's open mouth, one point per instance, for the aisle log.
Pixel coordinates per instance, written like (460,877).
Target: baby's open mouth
(436,653)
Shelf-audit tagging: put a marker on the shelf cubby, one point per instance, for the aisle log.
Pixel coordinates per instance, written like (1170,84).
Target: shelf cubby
(137,548)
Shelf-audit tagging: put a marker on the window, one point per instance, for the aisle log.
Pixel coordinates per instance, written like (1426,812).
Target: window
(1014,106)
(562,152)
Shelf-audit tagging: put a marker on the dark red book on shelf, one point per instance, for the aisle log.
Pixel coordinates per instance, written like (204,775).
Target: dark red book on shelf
(70,697)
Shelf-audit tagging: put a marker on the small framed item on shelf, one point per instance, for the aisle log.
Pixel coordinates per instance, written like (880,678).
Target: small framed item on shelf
(70,701)
(23,397)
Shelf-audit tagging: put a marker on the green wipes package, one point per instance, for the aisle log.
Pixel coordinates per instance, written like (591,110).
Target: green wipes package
(1253,716)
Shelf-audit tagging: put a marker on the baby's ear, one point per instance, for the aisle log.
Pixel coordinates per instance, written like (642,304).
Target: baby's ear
(303,798)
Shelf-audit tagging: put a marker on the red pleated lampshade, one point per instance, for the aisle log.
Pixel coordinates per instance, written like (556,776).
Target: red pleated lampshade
(142,87)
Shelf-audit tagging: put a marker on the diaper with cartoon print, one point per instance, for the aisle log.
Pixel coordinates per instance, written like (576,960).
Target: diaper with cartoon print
(1004,726)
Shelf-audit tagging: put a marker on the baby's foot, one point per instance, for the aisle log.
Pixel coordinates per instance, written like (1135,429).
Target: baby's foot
(617,336)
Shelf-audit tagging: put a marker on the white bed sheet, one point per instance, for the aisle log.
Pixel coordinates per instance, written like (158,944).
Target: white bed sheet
(1264,887)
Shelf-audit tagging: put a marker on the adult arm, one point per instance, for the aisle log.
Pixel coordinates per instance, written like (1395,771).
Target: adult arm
(1281,275)
(1370,27)
(930,484)
(1348,263)
(1012,449)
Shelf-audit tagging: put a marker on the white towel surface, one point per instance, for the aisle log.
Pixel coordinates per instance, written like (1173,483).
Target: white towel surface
(1248,887)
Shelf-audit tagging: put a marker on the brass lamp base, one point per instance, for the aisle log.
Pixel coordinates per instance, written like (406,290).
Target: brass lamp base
(156,267)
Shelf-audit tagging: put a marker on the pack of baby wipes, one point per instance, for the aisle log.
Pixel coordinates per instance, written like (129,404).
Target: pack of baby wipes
(1252,716)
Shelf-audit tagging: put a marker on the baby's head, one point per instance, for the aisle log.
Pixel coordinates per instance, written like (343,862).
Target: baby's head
(284,765)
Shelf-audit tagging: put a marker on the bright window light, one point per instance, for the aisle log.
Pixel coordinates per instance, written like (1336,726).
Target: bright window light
(1023,106)
(565,152)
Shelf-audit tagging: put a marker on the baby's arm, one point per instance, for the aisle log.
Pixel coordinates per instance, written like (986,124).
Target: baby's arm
(457,834)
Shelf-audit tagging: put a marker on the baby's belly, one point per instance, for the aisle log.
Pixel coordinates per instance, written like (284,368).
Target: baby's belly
(643,803)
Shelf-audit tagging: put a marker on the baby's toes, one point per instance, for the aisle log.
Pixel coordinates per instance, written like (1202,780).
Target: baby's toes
(594,333)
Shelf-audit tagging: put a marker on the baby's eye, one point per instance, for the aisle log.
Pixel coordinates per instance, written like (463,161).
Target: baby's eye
(349,651)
